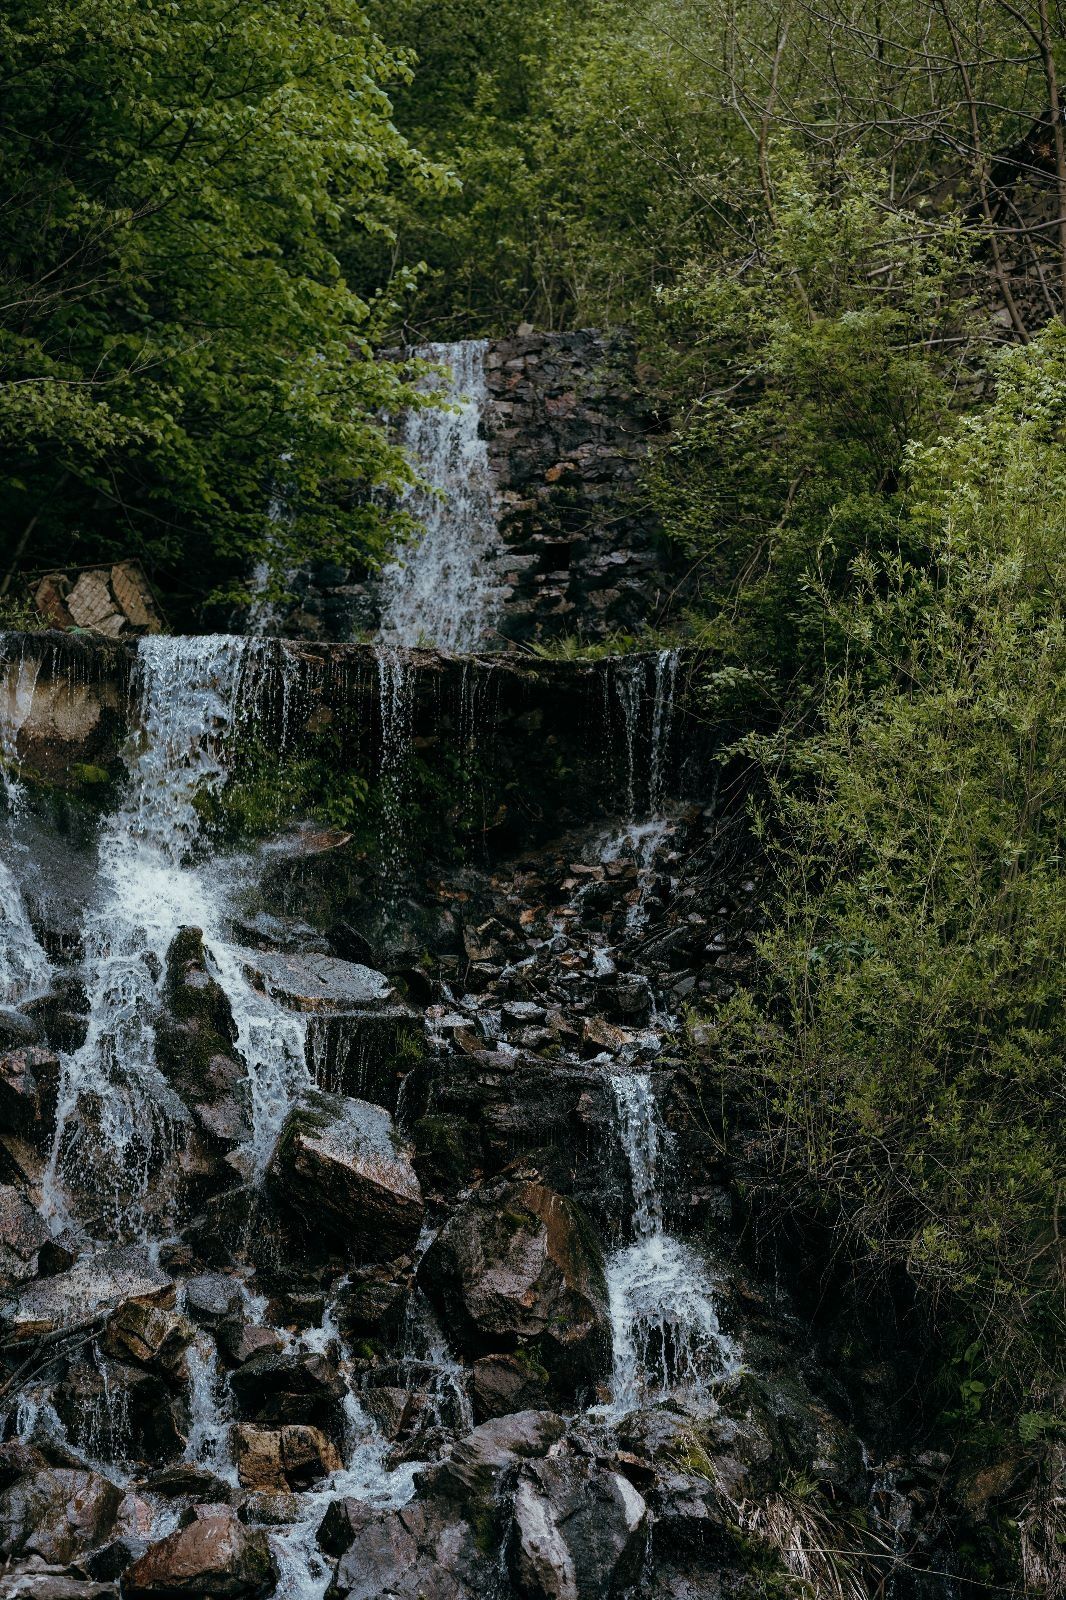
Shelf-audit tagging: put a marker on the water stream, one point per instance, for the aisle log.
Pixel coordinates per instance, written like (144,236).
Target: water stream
(664,1326)
(445,589)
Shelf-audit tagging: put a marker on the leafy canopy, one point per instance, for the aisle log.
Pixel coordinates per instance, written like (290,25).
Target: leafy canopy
(178,341)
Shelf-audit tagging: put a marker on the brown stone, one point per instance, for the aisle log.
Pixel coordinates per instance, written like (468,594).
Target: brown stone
(214,1558)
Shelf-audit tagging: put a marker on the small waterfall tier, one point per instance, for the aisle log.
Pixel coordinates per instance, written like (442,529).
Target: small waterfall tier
(360,1230)
(444,589)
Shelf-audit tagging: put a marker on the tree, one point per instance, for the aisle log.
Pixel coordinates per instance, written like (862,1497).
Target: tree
(178,342)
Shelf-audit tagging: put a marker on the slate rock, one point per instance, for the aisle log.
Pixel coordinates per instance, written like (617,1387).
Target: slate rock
(215,1557)
(518,1267)
(578,1532)
(57,1514)
(340,1166)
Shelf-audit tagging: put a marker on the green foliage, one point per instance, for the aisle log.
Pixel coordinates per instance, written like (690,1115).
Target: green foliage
(588,154)
(907,1042)
(813,362)
(179,346)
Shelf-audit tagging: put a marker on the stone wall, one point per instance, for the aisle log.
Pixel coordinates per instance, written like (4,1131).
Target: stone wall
(568,431)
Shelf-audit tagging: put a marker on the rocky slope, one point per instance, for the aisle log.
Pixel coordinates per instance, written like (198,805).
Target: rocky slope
(365,1230)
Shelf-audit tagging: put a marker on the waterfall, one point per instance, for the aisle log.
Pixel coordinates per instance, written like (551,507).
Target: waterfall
(666,1338)
(25,970)
(116,1117)
(444,589)
(396,712)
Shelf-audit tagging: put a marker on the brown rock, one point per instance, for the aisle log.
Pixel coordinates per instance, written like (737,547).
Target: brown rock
(57,1514)
(214,1558)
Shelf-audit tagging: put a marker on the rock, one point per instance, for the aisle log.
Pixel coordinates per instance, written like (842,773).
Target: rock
(501,1385)
(314,982)
(151,1336)
(95,1287)
(194,1049)
(56,1586)
(212,1297)
(122,1412)
(296,1386)
(29,1083)
(57,1514)
(23,1234)
(293,1457)
(239,1340)
(340,1166)
(578,1533)
(471,1475)
(112,1561)
(421,1551)
(518,1266)
(214,1558)
(17,1030)
(186,1482)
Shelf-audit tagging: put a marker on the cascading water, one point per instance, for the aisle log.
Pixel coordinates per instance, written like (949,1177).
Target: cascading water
(664,1326)
(115,1119)
(445,590)
(641,838)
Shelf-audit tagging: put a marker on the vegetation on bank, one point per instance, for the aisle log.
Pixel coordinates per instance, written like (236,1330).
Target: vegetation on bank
(840,233)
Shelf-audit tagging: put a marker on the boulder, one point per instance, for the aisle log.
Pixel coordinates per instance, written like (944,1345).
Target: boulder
(122,1412)
(578,1532)
(92,1289)
(291,1387)
(29,1082)
(471,1477)
(339,1165)
(195,1047)
(292,1457)
(424,1549)
(22,1235)
(56,1586)
(151,1336)
(517,1268)
(313,982)
(57,1514)
(214,1558)
(502,1384)
(211,1297)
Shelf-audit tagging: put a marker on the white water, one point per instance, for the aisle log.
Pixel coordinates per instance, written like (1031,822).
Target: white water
(115,1121)
(444,589)
(664,1326)
(25,970)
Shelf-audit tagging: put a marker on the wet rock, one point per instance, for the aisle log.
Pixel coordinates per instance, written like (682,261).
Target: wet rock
(211,1297)
(186,1482)
(239,1341)
(312,982)
(578,1533)
(94,1288)
(120,1412)
(471,1477)
(339,1165)
(22,1235)
(29,1082)
(293,1457)
(56,1586)
(17,1030)
(419,1551)
(517,1268)
(57,1514)
(372,1301)
(214,1558)
(112,1561)
(62,1015)
(194,1050)
(294,1387)
(502,1384)
(151,1336)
